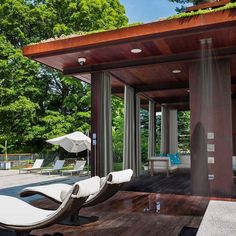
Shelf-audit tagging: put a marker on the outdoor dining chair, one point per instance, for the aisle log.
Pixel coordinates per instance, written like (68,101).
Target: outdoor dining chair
(21,217)
(36,166)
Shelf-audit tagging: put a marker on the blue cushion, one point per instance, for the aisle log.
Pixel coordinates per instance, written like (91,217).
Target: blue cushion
(174,159)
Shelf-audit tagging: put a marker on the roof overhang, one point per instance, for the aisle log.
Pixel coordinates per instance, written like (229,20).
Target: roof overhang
(166,45)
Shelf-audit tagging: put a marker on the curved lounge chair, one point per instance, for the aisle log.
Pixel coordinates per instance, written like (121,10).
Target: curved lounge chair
(108,187)
(21,217)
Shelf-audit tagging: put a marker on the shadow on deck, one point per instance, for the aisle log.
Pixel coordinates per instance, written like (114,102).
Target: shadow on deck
(178,183)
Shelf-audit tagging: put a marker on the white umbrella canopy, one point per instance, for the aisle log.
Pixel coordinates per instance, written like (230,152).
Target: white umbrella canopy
(74,142)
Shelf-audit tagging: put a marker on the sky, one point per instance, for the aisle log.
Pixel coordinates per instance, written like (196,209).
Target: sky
(148,10)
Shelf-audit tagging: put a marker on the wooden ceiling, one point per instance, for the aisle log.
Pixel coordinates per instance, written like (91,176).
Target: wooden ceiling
(166,46)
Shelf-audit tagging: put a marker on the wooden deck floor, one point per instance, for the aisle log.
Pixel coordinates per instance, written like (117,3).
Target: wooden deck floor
(134,213)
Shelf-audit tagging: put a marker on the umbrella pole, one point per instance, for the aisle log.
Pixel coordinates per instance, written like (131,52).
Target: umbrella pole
(88,159)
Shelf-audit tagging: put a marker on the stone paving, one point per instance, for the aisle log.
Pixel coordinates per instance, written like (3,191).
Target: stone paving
(11,182)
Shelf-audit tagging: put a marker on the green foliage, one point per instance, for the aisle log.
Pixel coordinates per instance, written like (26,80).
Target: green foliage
(200,12)
(117,128)
(24,22)
(38,103)
(5,148)
(184,131)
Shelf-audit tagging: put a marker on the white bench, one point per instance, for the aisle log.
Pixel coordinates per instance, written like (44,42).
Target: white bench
(185,163)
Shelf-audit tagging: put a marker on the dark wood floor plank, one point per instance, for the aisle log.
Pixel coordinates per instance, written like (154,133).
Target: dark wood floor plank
(133,210)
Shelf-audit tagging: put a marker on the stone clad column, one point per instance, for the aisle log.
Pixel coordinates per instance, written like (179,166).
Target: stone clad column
(211,128)
(169,131)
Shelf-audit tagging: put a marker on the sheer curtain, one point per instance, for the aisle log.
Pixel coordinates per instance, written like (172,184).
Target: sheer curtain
(131,149)
(151,130)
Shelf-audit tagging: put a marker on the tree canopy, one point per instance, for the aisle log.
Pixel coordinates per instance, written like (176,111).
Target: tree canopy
(38,103)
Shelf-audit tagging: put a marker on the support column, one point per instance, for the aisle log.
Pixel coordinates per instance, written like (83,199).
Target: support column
(173,128)
(234,125)
(211,128)
(152,130)
(101,122)
(164,130)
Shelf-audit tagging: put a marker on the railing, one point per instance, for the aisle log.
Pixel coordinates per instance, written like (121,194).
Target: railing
(17,157)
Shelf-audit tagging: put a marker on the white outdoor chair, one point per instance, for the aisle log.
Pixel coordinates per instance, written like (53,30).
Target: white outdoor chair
(56,168)
(109,186)
(36,166)
(21,217)
(79,167)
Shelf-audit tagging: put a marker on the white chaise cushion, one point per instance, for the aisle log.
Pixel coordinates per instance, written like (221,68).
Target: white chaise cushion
(88,186)
(122,176)
(51,190)
(14,211)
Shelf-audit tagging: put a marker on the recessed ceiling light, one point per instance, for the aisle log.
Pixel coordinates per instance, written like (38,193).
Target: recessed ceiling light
(176,71)
(136,50)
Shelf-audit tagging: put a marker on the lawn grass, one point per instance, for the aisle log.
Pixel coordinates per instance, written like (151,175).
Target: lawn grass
(118,166)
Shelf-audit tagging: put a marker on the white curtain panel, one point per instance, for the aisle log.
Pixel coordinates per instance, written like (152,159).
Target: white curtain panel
(173,136)
(106,125)
(129,140)
(138,137)
(164,130)
(151,130)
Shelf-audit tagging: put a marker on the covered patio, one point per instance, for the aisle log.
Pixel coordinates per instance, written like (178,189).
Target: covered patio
(168,65)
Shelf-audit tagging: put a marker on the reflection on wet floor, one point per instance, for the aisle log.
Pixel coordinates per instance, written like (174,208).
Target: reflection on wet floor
(129,212)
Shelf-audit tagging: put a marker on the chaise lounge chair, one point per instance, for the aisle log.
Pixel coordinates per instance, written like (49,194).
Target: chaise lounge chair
(21,217)
(36,167)
(79,166)
(56,168)
(109,186)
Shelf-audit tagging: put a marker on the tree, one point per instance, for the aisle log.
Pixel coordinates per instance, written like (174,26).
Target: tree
(184,131)
(38,103)
(117,128)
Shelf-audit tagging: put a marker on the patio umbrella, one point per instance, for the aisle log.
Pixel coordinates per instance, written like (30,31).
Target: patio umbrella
(74,142)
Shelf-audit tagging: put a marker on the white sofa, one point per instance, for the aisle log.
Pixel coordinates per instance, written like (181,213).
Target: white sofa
(185,164)
(185,161)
